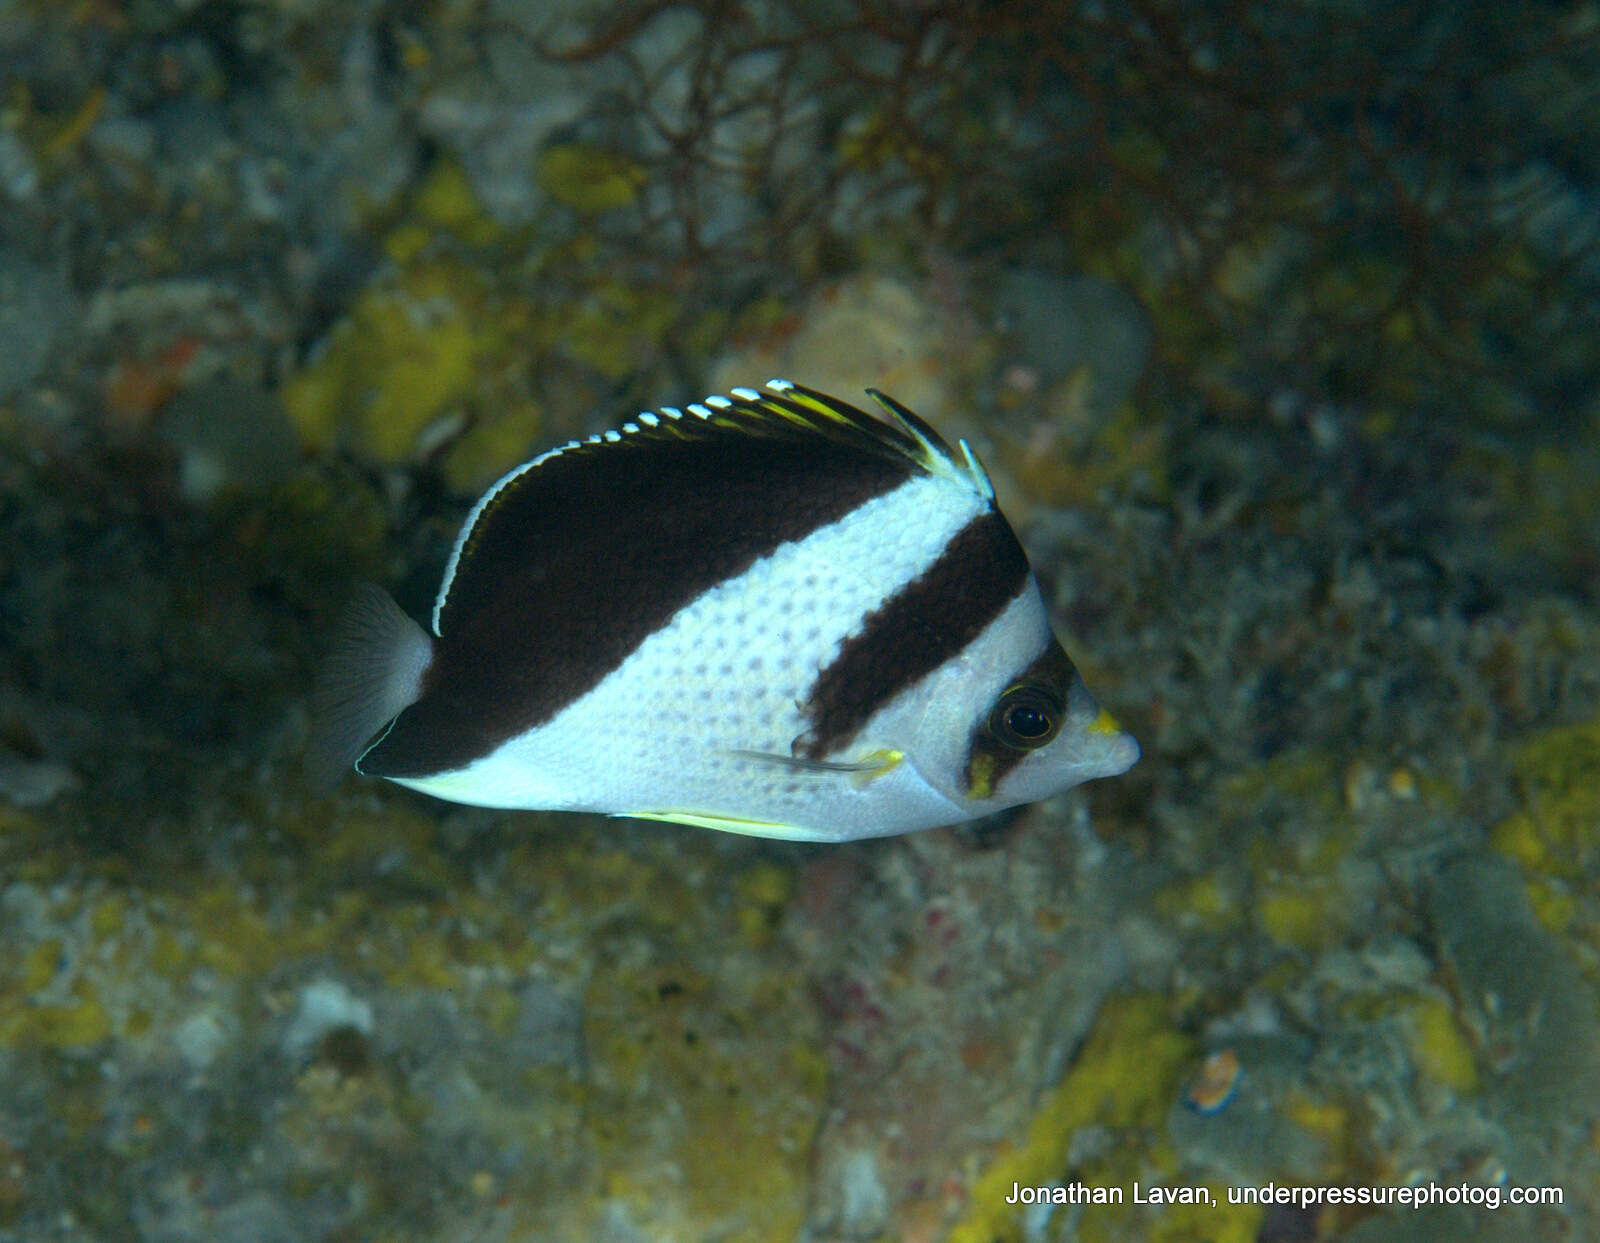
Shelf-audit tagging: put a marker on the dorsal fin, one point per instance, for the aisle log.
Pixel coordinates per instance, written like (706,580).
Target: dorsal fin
(788,407)
(791,411)
(785,411)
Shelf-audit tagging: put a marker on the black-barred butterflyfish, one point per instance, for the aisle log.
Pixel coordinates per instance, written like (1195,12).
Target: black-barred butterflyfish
(770,613)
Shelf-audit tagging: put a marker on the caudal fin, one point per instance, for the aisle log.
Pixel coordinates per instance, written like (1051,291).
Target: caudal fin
(373,670)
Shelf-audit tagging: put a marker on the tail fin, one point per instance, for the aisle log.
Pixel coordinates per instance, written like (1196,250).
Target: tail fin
(372,672)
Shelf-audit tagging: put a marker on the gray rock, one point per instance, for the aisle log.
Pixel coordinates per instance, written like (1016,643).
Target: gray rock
(36,304)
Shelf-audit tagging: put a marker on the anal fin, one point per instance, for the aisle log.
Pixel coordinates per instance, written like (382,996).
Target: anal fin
(733,824)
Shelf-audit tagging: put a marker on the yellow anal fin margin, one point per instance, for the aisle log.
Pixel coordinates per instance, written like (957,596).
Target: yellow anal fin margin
(732,824)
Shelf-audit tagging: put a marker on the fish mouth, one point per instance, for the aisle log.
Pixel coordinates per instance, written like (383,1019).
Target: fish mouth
(1104,748)
(1118,755)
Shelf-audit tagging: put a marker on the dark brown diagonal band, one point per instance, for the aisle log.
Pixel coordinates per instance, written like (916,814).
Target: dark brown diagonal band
(914,631)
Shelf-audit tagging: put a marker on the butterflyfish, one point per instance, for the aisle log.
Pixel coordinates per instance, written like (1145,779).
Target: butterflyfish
(770,613)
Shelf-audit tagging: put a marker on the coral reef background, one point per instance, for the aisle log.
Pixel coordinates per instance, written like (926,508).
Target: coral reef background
(1275,323)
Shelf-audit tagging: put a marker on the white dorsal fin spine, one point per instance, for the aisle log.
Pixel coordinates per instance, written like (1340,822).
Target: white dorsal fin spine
(975,471)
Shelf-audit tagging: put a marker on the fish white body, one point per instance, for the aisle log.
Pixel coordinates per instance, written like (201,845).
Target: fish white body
(834,685)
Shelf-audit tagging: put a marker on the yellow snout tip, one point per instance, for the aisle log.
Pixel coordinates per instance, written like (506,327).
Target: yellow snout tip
(1104,725)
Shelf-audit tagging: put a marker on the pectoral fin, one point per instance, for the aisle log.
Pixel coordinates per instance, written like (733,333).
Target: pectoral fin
(862,771)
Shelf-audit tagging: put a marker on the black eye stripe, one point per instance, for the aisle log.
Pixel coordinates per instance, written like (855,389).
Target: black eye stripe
(1042,687)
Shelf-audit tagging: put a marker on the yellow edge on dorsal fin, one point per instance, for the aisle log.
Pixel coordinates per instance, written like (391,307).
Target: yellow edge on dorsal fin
(795,406)
(908,434)
(732,824)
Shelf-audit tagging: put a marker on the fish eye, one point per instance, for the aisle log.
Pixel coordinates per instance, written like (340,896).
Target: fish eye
(1026,718)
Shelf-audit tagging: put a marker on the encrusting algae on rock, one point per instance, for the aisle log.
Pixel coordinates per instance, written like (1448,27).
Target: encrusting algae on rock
(428,360)
(1124,1078)
(403,358)
(1557,832)
(1555,835)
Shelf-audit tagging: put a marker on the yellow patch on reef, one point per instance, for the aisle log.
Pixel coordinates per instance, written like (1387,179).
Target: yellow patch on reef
(684,1061)
(1305,776)
(1326,1120)
(443,204)
(1520,837)
(406,355)
(590,179)
(108,916)
(39,965)
(446,201)
(1186,1223)
(1558,830)
(1287,916)
(490,447)
(1303,911)
(1124,1077)
(617,327)
(766,884)
(46,1001)
(763,892)
(1204,901)
(1438,1045)
(72,1025)
(1553,907)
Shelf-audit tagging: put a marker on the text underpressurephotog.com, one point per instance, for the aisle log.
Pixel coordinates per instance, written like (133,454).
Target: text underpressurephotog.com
(1415,1195)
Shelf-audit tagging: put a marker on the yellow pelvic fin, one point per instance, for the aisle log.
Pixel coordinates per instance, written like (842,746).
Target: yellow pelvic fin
(874,765)
(869,767)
